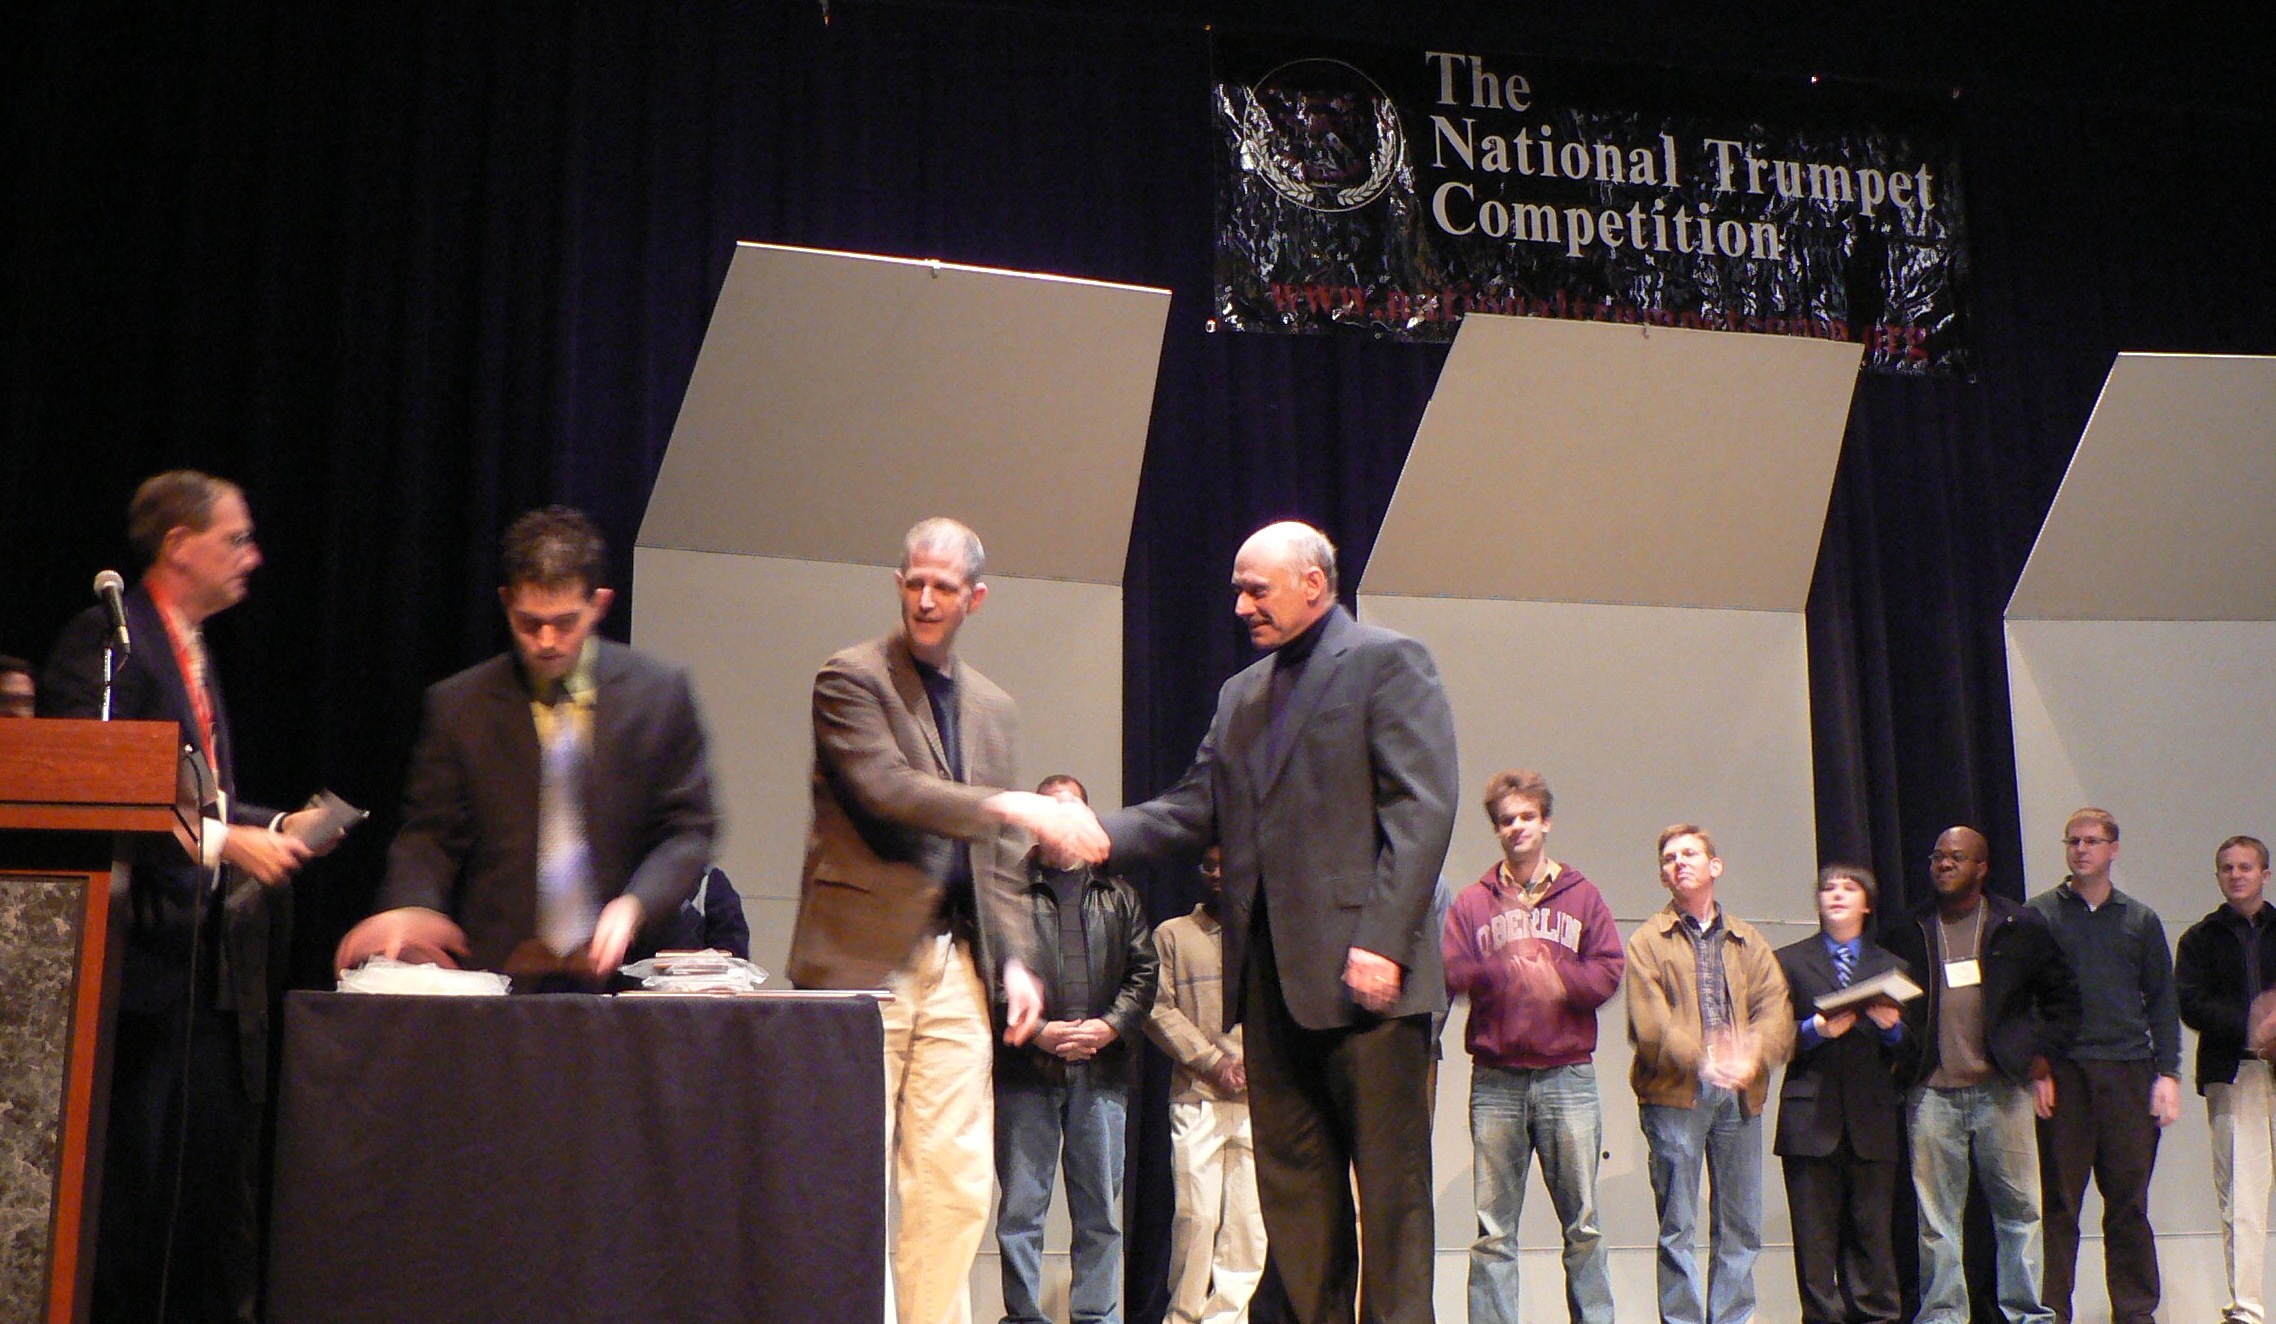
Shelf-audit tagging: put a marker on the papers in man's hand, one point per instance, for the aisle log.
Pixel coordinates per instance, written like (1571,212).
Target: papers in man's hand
(2260,1024)
(331,821)
(708,971)
(1894,985)
(383,974)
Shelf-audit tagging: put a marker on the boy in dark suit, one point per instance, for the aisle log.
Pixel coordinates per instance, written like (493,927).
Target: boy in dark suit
(1839,1131)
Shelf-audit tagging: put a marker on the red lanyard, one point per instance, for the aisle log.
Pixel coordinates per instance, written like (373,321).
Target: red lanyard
(191,678)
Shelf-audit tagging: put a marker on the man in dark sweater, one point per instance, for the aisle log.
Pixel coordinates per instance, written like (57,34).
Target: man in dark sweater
(2222,968)
(2119,1083)
(1534,948)
(1066,1094)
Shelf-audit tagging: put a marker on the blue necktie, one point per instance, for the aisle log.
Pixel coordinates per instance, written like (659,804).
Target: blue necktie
(1842,961)
(566,912)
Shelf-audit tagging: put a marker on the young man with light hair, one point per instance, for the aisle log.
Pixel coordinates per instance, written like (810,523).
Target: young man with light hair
(2119,1083)
(2225,964)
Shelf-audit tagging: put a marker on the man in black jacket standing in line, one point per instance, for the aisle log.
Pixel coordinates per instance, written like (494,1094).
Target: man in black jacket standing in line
(1066,1092)
(2225,962)
(2001,1005)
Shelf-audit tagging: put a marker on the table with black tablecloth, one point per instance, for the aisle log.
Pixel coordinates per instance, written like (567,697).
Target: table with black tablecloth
(561,1157)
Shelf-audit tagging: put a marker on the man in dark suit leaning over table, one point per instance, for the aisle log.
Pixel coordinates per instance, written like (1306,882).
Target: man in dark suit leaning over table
(1840,1116)
(178,1232)
(1328,776)
(914,866)
(558,808)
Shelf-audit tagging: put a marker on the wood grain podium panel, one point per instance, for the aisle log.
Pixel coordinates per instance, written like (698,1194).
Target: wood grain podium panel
(51,945)
(65,775)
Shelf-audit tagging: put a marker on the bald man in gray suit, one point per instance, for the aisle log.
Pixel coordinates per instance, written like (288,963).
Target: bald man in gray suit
(1329,779)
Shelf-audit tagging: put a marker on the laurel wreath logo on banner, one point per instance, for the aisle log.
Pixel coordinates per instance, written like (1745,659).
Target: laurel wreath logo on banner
(1322,134)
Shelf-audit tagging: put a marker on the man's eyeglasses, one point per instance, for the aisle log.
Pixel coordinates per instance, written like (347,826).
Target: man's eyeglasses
(2086,841)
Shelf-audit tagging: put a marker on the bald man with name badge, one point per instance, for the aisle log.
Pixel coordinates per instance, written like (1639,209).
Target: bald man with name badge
(1328,777)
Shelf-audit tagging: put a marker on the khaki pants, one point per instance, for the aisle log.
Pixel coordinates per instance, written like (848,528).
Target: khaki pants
(1217,1239)
(940,1129)
(2242,1154)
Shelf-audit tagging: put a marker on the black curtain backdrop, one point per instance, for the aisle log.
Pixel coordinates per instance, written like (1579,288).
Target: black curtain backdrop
(406,270)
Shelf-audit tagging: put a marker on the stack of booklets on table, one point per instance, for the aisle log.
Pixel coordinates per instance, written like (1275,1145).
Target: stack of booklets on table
(709,971)
(383,974)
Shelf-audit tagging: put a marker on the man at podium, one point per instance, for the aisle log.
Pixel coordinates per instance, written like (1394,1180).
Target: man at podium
(198,969)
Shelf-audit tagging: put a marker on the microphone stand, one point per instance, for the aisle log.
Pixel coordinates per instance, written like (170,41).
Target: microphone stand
(110,651)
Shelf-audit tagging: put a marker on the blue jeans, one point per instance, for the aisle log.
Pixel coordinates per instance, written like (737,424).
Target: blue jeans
(1996,1122)
(1037,1128)
(1514,1114)
(1717,1128)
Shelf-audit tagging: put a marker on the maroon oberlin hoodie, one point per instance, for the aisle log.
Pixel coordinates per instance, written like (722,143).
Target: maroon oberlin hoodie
(1572,921)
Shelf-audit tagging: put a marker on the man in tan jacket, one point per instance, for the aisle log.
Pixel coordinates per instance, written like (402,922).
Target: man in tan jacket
(912,873)
(1217,1240)
(1708,1016)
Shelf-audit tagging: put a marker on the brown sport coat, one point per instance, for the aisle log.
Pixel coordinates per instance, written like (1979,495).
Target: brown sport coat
(888,819)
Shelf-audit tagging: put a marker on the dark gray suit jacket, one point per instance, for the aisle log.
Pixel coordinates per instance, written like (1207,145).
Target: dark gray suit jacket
(468,844)
(888,819)
(1345,833)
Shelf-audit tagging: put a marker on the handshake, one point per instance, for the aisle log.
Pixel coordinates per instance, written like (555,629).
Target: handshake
(1066,828)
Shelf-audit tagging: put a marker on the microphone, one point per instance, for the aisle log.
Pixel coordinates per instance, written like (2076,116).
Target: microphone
(108,587)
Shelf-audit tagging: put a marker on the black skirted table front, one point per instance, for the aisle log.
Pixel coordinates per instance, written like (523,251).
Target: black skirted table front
(564,1158)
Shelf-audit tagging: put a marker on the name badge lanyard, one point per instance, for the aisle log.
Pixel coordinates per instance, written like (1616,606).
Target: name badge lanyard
(1970,972)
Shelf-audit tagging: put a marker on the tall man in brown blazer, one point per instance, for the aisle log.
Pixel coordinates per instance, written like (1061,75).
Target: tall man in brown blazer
(913,866)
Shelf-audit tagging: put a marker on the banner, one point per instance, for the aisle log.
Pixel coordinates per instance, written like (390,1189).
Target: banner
(1392,190)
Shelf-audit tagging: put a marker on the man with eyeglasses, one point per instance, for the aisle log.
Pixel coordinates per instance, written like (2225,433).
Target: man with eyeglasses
(202,941)
(2002,1007)
(2121,1080)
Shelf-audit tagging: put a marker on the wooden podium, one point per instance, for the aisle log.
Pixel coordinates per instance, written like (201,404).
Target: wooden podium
(76,799)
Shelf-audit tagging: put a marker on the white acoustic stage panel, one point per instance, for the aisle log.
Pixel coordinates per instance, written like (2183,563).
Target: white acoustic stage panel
(2164,514)
(839,398)
(2139,642)
(2139,636)
(1606,534)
